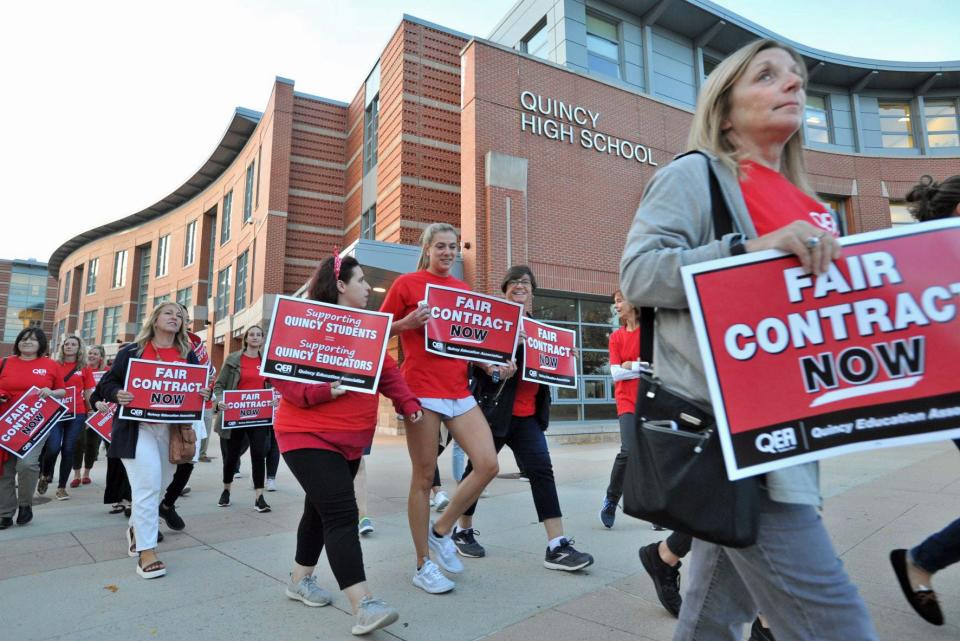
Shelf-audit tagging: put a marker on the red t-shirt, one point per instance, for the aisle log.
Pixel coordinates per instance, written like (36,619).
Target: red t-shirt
(19,375)
(80,381)
(428,375)
(165,354)
(525,402)
(250,373)
(625,346)
(774,202)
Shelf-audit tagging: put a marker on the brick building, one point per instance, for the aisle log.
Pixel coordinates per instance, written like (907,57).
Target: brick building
(536,143)
(28,298)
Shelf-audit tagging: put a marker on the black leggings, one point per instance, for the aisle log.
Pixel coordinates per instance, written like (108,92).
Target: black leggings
(180,479)
(330,514)
(257,436)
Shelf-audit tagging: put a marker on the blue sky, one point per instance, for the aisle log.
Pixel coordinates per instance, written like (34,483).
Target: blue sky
(112,105)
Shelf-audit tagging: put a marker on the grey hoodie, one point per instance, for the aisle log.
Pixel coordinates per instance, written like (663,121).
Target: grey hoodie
(673,227)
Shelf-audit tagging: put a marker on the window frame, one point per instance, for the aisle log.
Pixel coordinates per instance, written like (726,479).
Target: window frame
(953,102)
(618,62)
(222,299)
(368,223)
(371,133)
(93,270)
(190,243)
(827,117)
(248,193)
(540,27)
(162,267)
(67,282)
(225,215)
(240,284)
(120,259)
(185,300)
(911,121)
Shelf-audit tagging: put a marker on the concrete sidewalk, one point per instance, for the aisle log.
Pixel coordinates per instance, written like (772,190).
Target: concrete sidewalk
(66,575)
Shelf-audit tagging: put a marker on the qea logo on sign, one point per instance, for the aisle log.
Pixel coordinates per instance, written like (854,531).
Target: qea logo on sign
(283,368)
(778,441)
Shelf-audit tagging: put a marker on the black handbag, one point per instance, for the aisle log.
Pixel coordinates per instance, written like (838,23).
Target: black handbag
(675,474)
(488,400)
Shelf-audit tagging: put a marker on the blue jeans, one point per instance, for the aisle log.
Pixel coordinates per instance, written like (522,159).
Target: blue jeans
(791,574)
(61,442)
(458,462)
(938,550)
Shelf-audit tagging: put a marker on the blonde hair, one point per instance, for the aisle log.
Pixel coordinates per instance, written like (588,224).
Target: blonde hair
(180,341)
(713,109)
(99,350)
(427,237)
(81,352)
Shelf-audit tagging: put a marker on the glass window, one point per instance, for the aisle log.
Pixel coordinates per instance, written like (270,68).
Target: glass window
(26,299)
(120,269)
(896,128)
(838,207)
(222,303)
(603,46)
(552,308)
(371,123)
(66,285)
(158,300)
(943,125)
(536,42)
(248,194)
(143,283)
(93,268)
(368,223)
(899,214)
(213,247)
(709,64)
(595,363)
(816,125)
(240,292)
(190,244)
(225,219)
(163,255)
(111,325)
(88,328)
(185,297)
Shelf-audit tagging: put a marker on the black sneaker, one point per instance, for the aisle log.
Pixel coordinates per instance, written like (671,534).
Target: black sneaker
(24,515)
(224,499)
(666,579)
(467,545)
(760,633)
(172,519)
(260,505)
(608,513)
(566,557)
(5,522)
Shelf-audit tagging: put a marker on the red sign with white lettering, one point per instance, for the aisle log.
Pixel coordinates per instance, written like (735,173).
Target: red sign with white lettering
(471,326)
(548,354)
(164,392)
(27,422)
(102,422)
(247,408)
(865,355)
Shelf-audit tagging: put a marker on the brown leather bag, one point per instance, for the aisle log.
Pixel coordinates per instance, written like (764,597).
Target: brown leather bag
(183,444)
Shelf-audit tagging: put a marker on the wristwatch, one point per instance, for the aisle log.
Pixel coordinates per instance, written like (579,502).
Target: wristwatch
(738,245)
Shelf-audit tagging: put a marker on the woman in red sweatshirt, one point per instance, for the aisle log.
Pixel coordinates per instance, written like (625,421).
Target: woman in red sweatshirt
(322,431)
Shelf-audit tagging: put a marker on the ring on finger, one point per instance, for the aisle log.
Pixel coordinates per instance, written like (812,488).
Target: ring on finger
(813,241)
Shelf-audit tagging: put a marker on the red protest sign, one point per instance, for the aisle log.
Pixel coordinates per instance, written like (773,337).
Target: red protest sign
(27,422)
(314,342)
(98,375)
(548,354)
(471,326)
(164,392)
(247,408)
(102,422)
(862,356)
(70,402)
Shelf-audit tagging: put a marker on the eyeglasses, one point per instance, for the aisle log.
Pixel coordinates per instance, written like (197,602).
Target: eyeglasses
(525,282)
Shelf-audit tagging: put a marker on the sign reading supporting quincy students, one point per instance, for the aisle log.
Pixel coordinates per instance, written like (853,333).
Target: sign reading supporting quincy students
(164,392)
(471,326)
(312,342)
(102,422)
(548,354)
(247,408)
(801,368)
(27,421)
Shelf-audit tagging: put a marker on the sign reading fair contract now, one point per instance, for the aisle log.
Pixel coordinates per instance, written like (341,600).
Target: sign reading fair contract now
(548,354)
(314,342)
(471,326)
(102,422)
(801,367)
(247,408)
(164,392)
(27,421)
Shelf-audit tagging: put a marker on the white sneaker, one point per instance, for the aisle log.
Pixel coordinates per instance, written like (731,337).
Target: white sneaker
(271,485)
(373,614)
(430,579)
(441,501)
(307,591)
(444,551)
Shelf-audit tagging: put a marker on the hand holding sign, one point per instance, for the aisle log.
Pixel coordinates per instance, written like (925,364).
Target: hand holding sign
(124,397)
(798,239)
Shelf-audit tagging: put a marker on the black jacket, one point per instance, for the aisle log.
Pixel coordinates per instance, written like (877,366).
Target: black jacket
(481,384)
(123,438)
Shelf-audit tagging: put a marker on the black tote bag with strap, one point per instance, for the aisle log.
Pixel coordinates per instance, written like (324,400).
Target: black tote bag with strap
(675,474)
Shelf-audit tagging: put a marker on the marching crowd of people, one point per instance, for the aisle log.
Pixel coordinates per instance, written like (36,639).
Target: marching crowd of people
(746,151)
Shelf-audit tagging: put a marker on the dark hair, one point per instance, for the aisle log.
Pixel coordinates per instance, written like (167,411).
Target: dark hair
(931,200)
(516,273)
(323,284)
(37,333)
